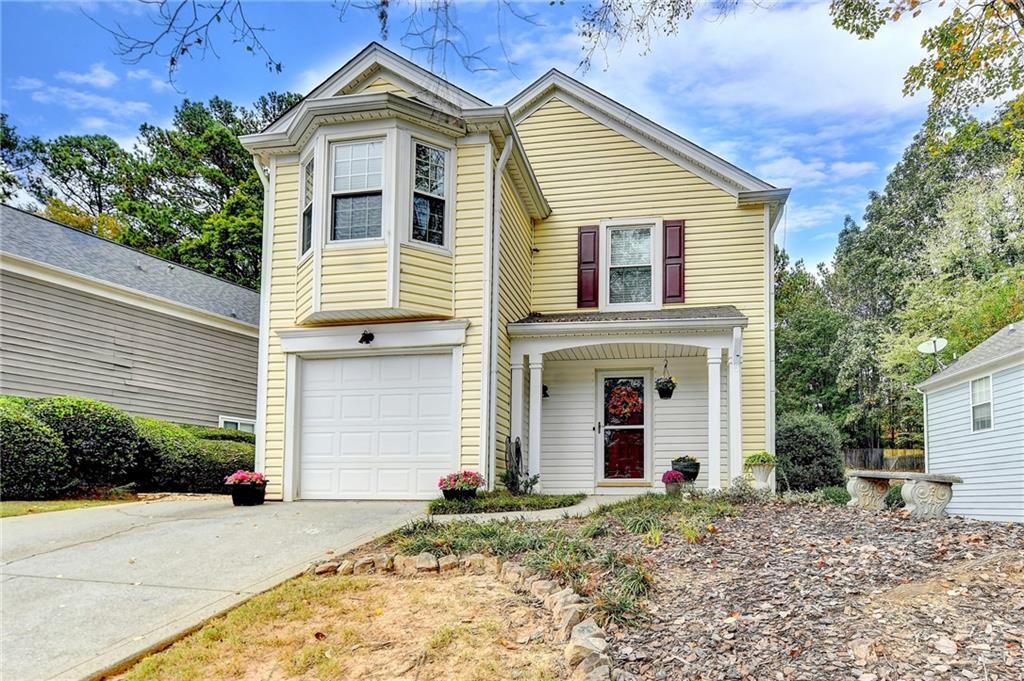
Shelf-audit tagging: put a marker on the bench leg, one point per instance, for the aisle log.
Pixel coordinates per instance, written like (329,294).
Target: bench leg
(867,493)
(926,500)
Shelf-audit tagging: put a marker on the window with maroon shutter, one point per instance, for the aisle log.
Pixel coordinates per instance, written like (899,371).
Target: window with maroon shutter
(588,264)
(674,248)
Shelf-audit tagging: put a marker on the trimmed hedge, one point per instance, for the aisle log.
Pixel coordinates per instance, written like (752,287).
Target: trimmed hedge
(102,441)
(173,459)
(35,461)
(211,433)
(807,447)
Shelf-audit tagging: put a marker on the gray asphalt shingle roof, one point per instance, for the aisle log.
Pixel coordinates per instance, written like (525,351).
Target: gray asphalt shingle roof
(36,238)
(1002,343)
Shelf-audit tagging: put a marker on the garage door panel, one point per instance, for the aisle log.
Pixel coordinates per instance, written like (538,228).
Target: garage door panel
(376,427)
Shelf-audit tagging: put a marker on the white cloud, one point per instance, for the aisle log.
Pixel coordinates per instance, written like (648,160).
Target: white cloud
(792,172)
(844,169)
(23,83)
(155,83)
(801,218)
(85,101)
(94,123)
(97,76)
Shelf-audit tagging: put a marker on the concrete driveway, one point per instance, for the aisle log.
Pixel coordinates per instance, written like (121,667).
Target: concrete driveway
(85,589)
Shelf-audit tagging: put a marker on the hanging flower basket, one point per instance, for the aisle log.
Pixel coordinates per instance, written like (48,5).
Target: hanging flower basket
(666,385)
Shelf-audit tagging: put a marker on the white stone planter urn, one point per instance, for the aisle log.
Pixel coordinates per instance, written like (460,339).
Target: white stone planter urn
(762,476)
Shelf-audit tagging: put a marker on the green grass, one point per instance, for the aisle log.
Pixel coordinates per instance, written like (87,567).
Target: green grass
(500,500)
(9,509)
(495,537)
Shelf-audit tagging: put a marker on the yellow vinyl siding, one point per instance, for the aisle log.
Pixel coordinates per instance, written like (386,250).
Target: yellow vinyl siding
(382,84)
(425,281)
(469,263)
(304,290)
(590,173)
(354,278)
(516,268)
(282,316)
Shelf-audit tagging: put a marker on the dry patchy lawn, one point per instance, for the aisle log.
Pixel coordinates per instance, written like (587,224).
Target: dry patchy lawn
(367,627)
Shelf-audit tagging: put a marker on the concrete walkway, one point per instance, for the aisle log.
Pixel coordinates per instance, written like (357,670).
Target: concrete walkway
(85,589)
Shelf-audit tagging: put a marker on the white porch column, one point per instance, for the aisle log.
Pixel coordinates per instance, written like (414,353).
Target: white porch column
(517,399)
(714,418)
(736,405)
(536,395)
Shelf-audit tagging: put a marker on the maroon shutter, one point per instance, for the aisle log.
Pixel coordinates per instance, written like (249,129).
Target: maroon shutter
(587,268)
(674,269)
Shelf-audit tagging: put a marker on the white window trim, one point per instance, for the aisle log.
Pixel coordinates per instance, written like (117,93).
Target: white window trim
(327,192)
(991,403)
(449,181)
(301,257)
(237,419)
(657,268)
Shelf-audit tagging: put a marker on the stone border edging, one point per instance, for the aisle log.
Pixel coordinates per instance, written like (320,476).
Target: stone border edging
(585,507)
(585,641)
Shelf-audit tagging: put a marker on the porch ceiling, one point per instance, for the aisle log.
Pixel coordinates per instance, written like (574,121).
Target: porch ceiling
(625,351)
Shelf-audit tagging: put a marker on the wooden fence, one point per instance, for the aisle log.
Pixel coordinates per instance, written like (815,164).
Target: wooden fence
(878,459)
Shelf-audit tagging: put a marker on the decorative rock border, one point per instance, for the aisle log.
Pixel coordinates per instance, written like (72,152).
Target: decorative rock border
(585,641)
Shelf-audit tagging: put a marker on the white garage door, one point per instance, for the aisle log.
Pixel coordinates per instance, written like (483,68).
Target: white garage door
(376,427)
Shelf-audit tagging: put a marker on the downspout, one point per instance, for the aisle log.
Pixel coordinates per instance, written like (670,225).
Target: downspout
(492,283)
(263,360)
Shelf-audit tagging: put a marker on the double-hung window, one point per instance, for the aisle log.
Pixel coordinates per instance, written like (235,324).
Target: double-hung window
(428,196)
(306,237)
(356,190)
(981,403)
(631,265)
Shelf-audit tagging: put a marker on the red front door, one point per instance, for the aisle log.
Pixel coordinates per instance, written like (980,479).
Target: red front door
(622,426)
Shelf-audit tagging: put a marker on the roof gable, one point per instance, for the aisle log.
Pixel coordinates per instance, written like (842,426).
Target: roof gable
(1004,344)
(664,142)
(378,69)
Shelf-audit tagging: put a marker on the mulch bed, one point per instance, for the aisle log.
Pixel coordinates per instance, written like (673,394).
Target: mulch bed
(811,593)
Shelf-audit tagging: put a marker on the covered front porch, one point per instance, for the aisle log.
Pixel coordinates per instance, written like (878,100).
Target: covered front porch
(585,408)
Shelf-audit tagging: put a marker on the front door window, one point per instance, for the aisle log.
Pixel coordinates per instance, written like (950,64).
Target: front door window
(623,424)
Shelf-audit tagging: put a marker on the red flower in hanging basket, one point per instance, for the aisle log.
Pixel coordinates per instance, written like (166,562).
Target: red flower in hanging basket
(624,401)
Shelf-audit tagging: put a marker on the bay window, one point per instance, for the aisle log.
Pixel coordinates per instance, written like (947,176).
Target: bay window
(356,190)
(429,203)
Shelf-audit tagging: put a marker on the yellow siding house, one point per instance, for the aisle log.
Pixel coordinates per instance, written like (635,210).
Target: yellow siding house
(445,280)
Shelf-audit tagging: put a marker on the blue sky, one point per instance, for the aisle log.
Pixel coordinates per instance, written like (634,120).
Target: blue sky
(779,92)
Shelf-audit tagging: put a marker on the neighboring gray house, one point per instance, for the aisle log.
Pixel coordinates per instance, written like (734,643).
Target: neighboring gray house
(974,427)
(82,315)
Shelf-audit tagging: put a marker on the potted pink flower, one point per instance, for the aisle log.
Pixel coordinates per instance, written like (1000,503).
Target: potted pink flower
(460,485)
(248,488)
(673,482)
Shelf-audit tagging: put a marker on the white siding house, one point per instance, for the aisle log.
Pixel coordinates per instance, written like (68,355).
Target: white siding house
(974,427)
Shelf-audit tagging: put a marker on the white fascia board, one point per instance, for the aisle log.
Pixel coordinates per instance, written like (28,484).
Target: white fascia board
(756,197)
(375,56)
(619,326)
(387,337)
(940,380)
(658,139)
(104,289)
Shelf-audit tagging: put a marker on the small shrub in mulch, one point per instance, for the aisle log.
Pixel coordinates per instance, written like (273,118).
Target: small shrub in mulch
(500,500)
(807,447)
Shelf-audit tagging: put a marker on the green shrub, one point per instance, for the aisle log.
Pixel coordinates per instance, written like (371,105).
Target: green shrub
(495,537)
(173,459)
(211,433)
(502,500)
(34,460)
(894,497)
(807,446)
(102,441)
(835,494)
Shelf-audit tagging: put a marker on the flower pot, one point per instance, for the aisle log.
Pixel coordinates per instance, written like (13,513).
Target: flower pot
(458,494)
(666,393)
(763,476)
(248,495)
(689,469)
(673,489)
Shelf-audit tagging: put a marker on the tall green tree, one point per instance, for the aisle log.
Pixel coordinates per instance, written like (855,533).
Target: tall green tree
(17,154)
(85,171)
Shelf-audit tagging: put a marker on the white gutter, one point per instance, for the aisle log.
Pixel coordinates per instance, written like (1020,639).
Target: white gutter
(492,283)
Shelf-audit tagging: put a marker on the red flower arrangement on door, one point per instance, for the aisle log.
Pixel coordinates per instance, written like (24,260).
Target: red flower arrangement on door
(624,401)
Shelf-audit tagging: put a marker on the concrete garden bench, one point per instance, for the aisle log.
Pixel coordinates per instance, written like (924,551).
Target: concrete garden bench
(925,495)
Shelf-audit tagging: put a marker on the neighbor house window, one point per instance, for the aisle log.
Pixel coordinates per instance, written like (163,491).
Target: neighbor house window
(428,195)
(630,265)
(356,189)
(307,208)
(981,403)
(234,423)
